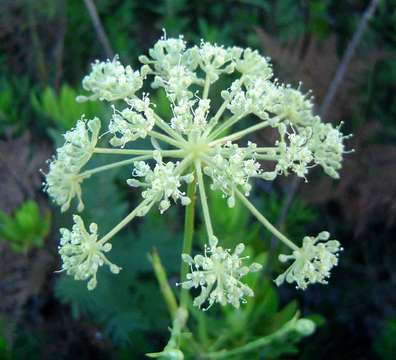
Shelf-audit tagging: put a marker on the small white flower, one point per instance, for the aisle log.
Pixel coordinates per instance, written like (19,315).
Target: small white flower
(190,118)
(131,123)
(294,155)
(251,64)
(294,106)
(111,81)
(215,60)
(218,273)
(327,146)
(312,262)
(63,185)
(256,96)
(173,66)
(63,180)
(231,168)
(82,254)
(161,184)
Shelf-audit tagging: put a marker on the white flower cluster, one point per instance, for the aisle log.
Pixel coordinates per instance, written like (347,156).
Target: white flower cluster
(187,120)
(82,254)
(111,81)
(312,262)
(161,184)
(215,60)
(251,64)
(256,96)
(132,122)
(63,179)
(173,67)
(316,144)
(204,143)
(231,168)
(218,273)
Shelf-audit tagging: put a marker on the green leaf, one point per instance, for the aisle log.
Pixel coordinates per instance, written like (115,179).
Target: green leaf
(27,228)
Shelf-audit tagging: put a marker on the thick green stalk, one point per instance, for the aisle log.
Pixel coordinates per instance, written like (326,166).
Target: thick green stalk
(162,279)
(188,238)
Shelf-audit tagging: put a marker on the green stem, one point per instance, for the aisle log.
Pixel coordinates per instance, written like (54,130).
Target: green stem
(162,279)
(265,222)
(165,138)
(214,120)
(114,165)
(241,133)
(205,91)
(188,238)
(170,153)
(256,344)
(125,221)
(165,127)
(227,124)
(270,149)
(204,202)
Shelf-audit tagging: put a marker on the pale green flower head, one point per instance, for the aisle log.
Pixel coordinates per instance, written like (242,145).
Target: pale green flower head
(162,183)
(82,254)
(312,262)
(131,123)
(199,139)
(63,179)
(111,81)
(218,273)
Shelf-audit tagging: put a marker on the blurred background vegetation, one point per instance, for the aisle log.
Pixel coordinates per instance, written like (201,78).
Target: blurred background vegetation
(46,47)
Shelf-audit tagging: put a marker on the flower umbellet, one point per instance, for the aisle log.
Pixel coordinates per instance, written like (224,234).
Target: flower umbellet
(197,141)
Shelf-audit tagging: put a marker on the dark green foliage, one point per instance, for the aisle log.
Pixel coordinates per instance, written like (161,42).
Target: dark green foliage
(384,344)
(62,109)
(13,110)
(227,328)
(27,228)
(125,303)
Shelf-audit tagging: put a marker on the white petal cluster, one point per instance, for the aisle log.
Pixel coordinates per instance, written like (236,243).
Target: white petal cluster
(189,116)
(161,183)
(251,64)
(317,144)
(295,107)
(312,262)
(63,181)
(231,168)
(294,154)
(215,60)
(132,122)
(218,273)
(173,67)
(82,254)
(327,147)
(256,96)
(111,81)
